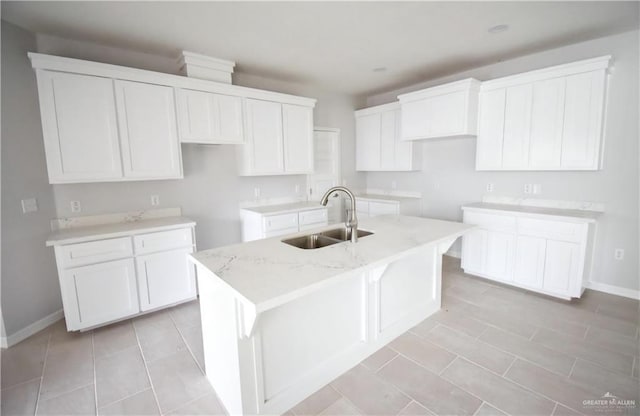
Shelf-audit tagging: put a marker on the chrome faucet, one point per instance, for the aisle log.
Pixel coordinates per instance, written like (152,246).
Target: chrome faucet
(352,220)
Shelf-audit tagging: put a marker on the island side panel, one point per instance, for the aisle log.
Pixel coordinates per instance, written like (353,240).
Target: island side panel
(220,338)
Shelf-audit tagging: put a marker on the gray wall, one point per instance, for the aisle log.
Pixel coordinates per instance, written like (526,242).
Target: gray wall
(448,178)
(30,289)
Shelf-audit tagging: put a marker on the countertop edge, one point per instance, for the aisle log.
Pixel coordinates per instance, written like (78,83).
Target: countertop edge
(518,213)
(50,242)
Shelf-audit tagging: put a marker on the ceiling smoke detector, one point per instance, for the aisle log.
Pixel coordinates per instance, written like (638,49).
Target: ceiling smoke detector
(380,69)
(498,29)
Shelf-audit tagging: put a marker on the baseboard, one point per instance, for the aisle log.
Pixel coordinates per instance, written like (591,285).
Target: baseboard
(26,332)
(614,290)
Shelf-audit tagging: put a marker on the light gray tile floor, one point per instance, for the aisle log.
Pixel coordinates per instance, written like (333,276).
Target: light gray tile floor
(491,350)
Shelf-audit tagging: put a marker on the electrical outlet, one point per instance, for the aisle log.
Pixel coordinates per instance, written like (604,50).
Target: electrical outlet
(489,187)
(297,188)
(528,188)
(155,200)
(436,185)
(537,188)
(394,184)
(29,205)
(618,254)
(256,192)
(75,206)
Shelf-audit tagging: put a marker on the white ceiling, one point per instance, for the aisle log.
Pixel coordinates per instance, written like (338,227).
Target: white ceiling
(333,44)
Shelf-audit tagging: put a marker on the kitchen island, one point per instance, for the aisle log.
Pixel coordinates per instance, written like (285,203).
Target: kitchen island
(280,322)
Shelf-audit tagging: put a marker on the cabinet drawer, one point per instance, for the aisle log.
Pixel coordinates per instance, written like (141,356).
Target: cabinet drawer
(280,222)
(317,216)
(163,240)
(492,222)
(283,231)
(95,252)
(554,230)
(382,208)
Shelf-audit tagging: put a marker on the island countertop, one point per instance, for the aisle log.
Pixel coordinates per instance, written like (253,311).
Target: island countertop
(268,273)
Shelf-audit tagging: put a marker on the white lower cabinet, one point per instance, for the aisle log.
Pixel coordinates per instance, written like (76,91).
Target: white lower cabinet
(550,256)
(162,278)
(266,221)
(101,292)
(371,206)
(106,280)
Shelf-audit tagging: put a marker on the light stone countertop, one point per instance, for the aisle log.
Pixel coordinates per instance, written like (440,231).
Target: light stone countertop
(376,197)
(285,208)
(268,273)
(576,214)
(95,232)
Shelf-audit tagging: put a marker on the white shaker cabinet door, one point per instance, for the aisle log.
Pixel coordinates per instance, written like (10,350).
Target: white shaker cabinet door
(263,152)
(298,138)
(474,251)
(368,142)
(388,135)
(79,127)
(165,278)
(490,130)
(517,127)
(100,293)
(561,266)
(530,258)
(500,255)
(150,146)
(209,118)
(547,112)
(583,114)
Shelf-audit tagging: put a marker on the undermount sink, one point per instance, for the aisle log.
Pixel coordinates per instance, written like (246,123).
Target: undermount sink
(324,239)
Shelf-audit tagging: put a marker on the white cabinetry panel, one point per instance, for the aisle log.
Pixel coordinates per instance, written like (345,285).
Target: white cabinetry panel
(79,127)
(517,124)
(530,258)
(583,113)
(474,250)
(368,142)
(551,119)
(547,112)
(490,129)
(560,266)
(101,292)
(298,138)
(147,114)
(264,137)
(548,256)
(165,278)
(379,144)
(447,110)
(500,255)
(209,118)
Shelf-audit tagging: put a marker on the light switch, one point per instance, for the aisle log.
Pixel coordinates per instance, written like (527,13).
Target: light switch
(29,205)
(155,200)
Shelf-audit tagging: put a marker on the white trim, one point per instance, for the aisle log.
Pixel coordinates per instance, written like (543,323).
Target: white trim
(29,330)
(378,109)
(614,290)
(586,65)
(79,66)
(468,84)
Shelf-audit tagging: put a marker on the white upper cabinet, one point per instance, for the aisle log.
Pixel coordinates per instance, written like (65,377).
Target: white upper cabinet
(80,127)
(148,130)
(379,145)
(209,118)
(297,124)
(109,123)
(549,119)
(279,139)
(447,110)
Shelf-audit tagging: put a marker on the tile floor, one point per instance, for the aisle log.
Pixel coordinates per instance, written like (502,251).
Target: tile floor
(492,350)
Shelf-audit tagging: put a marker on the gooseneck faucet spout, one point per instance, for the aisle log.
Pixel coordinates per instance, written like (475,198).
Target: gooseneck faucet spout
(352,220)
